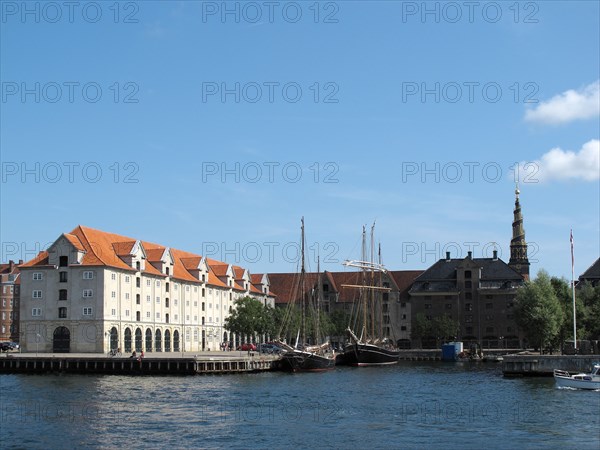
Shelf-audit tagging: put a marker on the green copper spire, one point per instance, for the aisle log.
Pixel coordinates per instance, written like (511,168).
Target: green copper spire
(518,245)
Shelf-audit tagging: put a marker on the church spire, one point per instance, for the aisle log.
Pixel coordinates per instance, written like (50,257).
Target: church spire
(518,246)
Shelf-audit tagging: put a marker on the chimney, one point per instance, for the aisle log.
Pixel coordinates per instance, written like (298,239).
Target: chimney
(495,258)
(447,256)
(470,255)
(11,266)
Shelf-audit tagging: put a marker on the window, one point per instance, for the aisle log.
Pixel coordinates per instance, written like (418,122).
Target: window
(195,319)
(157,283)
(62,277)
(203,278)
(210,306)
(510,316)
(489,297)
(469,330)
(176,287)
(158,315)
(138,316)
(195,303)
(37,294)
(126,313)
(468,319)
(63,261)
(37,276)
(468,296)
(175,302)
(147,314)
(203,319)
(167,286)
(138,282)
(176,317)
(489,329)
(113,276)
(195,288)
(147,282)
(187,289)
(448,305)
(489,318)
(468,306)
(167,302)
(467,285)
(403,316)
(87,311)
(403,305)
(36,312)
(137,299)
(88,275)
(158,300)
(62,294)
(113,312)
(403,328)
(467,274)
(113,294)
(427,305)
(62,313)
(126,278)
(147,299)
(137,266)
(203,292)
(195,334)
(489,306)
(87,293)
(167,270)
(126,295)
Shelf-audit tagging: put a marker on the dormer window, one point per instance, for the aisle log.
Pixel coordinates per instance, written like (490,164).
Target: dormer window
(467,274)
(63,261)
(138,266)
(167,270)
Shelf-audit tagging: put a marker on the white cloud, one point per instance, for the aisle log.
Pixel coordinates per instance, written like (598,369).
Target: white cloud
(569,106)
(558,164)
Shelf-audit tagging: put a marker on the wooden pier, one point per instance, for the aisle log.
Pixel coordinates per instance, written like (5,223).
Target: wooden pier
(154,365)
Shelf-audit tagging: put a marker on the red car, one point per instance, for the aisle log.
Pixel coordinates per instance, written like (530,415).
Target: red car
(247,347)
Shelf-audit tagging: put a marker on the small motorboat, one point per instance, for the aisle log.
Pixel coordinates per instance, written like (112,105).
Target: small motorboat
(580,380)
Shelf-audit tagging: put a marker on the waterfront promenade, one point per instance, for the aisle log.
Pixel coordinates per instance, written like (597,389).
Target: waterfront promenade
(180,363)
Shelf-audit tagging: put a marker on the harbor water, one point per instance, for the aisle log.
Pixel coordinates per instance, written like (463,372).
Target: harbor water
(409,405)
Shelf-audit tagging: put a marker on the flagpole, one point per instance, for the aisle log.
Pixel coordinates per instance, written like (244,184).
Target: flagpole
(573,287)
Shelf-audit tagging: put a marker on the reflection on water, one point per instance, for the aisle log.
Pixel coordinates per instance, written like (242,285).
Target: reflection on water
(405,406)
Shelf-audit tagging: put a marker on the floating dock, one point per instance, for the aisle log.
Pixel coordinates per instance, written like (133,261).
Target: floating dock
(153,365)
(544,365)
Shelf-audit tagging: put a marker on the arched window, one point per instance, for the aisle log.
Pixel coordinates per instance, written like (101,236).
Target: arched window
(148,340)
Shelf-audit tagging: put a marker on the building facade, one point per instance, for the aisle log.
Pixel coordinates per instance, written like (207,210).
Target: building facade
(478,294)
(92,291)
(10,286)
(339,294)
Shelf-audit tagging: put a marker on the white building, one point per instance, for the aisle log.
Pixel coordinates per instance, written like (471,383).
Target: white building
(92,291)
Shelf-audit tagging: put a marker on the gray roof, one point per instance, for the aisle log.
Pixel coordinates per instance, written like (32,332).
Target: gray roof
(441,277)
(592,272)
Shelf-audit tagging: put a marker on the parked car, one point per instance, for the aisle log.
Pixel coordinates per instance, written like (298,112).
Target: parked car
(8,346)
(269,349)
(247,347)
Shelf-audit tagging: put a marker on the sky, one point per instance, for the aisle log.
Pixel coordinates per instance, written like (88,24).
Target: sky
(214,127)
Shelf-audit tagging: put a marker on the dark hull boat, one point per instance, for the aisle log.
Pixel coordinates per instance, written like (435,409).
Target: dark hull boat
(301,361)
(369,355)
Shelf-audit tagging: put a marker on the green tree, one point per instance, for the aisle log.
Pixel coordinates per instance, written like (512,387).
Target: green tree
(538,311)
(420,328)
(589,296)
(443,327)
(249,316)
(564,294)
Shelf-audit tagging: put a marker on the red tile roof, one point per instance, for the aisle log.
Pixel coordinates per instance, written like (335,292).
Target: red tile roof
(104,249)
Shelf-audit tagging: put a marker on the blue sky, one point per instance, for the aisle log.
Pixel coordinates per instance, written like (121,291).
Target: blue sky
(215,131)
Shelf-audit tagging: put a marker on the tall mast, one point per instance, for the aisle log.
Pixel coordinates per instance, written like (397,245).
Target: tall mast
(365,292)
(302,291)
(379,296)
(318,316)
(372,284)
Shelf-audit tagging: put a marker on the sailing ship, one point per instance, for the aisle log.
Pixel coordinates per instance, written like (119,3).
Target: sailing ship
(369,346)
(303,357)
